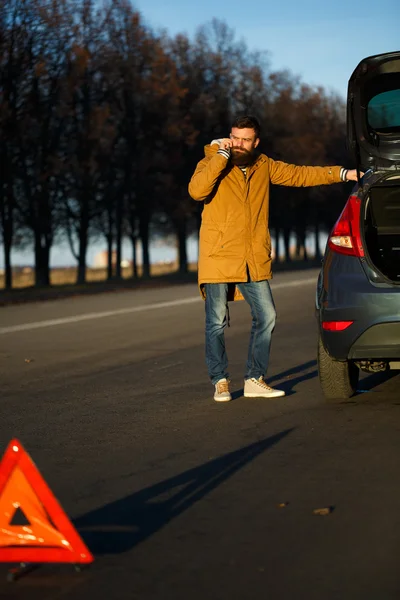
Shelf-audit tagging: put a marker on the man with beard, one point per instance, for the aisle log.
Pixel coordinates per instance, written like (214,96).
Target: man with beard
(235,245)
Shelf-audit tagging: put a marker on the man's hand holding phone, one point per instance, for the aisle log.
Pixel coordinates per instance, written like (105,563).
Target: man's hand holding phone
(224,146)
(225,143)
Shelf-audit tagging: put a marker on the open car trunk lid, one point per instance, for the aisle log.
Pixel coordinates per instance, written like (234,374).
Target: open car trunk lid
(373,112)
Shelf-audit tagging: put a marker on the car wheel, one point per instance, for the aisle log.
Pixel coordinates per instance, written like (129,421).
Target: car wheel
(338,378)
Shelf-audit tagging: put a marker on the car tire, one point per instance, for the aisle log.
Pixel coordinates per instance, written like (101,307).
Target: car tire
(338,378)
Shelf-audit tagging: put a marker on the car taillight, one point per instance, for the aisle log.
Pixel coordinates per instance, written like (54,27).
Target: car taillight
(336,325)
(345,236)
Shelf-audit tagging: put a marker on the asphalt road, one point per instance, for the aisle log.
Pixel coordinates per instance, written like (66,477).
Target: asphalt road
(179,497)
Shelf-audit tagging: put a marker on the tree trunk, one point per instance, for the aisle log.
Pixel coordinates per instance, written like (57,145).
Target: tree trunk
(118,218)
(42,259)
(286,244)
(318,254)
(109,256)
(182,250)
(7,228)
(298,245)
(304,246)
(83,244)
(301,251)
(7,267)
(109,241)
(134,257)
(42,233)
(277,233)
(145,241)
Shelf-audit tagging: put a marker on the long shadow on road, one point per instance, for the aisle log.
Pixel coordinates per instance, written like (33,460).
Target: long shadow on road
(121,525)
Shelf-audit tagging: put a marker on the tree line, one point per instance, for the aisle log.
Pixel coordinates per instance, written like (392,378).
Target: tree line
(103,120)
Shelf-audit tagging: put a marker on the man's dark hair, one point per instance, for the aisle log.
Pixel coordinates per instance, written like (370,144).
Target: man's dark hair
(247,122)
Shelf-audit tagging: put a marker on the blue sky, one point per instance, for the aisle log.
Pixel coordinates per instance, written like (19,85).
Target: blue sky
(322,42)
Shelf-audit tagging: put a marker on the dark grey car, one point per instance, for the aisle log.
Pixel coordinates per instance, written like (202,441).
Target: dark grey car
(358,291)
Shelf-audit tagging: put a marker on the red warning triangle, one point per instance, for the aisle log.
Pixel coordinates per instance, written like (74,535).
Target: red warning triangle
(48,535)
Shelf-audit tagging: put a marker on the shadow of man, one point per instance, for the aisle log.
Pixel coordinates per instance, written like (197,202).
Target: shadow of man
(121,525)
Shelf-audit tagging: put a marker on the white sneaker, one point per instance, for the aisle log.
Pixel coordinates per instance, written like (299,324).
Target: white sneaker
(222,393)
(258,388)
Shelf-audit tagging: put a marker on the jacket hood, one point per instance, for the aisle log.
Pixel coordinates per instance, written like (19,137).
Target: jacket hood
(209,149)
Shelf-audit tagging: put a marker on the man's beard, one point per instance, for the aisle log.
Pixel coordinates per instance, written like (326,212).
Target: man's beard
(242,158)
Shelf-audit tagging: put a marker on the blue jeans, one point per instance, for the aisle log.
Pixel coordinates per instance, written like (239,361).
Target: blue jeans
(258,295)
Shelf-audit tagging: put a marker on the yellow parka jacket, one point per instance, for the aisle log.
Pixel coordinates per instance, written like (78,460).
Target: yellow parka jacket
(234,234)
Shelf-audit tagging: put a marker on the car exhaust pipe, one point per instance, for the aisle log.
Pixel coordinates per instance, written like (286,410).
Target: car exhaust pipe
(370,366)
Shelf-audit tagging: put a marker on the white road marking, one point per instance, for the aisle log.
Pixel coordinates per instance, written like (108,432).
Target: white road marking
(295,283)
(133,309)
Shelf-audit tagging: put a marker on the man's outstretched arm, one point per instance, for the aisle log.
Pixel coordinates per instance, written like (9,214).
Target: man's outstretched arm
(304,176)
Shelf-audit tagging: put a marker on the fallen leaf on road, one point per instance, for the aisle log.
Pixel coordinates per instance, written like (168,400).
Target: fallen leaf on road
(323,511)
(282,504)
(28,360)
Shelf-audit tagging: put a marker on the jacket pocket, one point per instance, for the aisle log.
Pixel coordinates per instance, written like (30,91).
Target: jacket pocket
(217,244)
(211,241)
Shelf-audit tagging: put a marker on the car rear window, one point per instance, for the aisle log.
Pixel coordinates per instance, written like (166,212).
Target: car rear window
(384,112)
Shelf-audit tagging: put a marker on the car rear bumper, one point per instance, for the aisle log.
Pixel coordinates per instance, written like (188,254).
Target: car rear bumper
(345,293)
(378,342)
